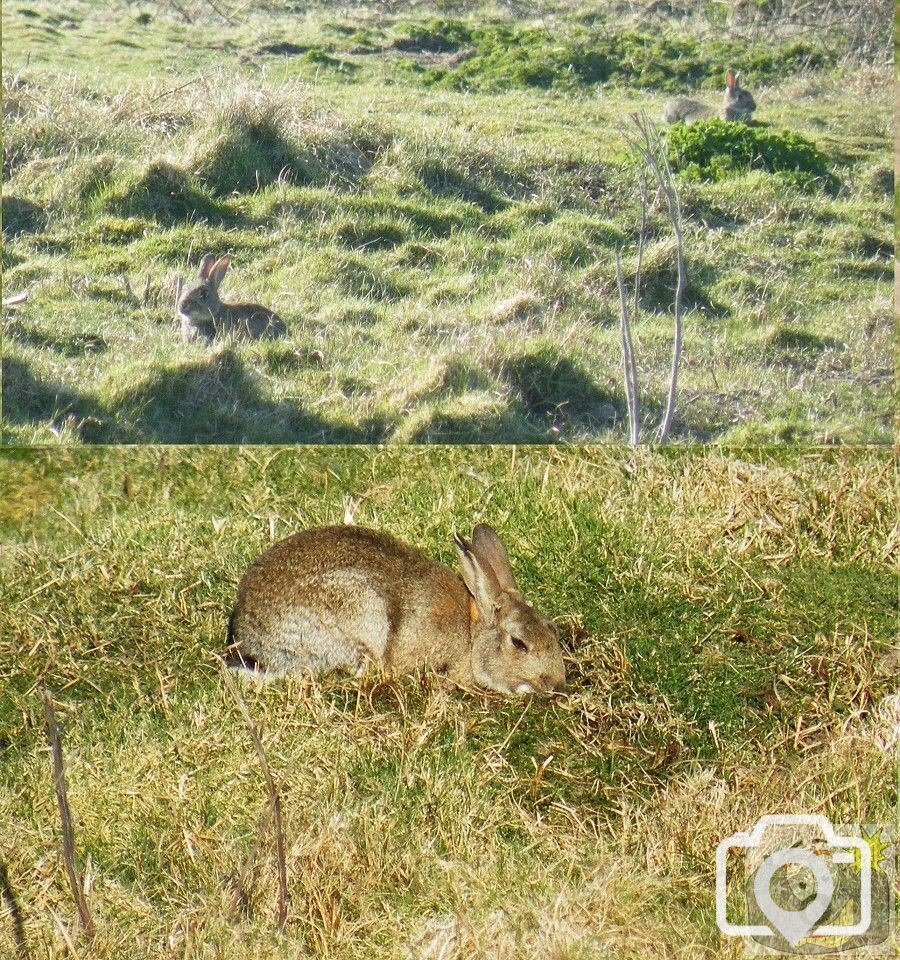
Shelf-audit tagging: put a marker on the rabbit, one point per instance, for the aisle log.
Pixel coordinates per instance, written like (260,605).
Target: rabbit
(204,315)
(737,104)
(347,597)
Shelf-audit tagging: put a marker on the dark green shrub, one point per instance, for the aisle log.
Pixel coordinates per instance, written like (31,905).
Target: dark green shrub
(715,150)
(433,36)
(508,55)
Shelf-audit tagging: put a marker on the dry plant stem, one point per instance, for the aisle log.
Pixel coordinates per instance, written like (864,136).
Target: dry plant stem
(667,184)
(274,801)
(65,816)
(650,149)
(246,878)
(630,373)
(11,903)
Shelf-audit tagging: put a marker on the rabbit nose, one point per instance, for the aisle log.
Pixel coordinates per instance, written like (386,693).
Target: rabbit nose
(554,683)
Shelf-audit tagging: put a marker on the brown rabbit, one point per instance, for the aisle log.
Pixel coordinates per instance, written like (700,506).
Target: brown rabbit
(350,598)
(204,315)
(737,104)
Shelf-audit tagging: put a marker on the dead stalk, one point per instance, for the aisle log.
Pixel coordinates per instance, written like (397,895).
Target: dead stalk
(630,373)
(274,801)
(13,908)
(65,816)
(647,145)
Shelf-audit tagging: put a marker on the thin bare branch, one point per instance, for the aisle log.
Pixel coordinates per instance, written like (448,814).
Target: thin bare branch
(244,881)
(274,800)
(650,149)
(628,363)
(65,816)
(14,909)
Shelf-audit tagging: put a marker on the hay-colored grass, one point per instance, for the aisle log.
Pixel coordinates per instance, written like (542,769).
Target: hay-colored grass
(728,626)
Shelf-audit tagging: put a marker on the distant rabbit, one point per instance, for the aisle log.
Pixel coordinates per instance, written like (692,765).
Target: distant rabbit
(204,315)
(737,104)
(350,598)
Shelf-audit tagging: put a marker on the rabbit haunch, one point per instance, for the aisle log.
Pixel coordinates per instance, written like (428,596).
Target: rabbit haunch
(350,598)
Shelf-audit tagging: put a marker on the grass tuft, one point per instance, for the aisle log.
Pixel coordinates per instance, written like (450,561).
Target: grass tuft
(727,623)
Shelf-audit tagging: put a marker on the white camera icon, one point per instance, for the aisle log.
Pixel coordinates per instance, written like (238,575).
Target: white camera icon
(794,925)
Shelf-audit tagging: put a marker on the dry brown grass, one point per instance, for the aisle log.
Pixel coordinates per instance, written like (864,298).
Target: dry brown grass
(420,822)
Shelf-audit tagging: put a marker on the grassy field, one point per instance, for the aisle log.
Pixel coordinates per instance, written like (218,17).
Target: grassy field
(727,624)
(433,207)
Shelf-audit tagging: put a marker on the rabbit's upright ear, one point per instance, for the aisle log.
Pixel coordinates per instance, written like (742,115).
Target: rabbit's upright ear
(217,273)
(488,548)
(206,265)
(730,80)
(479,579)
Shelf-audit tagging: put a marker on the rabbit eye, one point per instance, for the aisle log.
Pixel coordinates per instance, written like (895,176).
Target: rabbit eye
(201,294)
(519,644)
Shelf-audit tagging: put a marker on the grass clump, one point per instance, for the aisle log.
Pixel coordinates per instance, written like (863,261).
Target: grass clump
(715,150)
(726,624)
(163,192)
(499,56)
(255,138)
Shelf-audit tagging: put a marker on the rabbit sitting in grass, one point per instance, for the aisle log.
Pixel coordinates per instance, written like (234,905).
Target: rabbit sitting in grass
(346,597)
(204,315)
(737,104)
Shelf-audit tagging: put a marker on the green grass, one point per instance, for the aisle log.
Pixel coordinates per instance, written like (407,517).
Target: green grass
(443,258)
(727,623)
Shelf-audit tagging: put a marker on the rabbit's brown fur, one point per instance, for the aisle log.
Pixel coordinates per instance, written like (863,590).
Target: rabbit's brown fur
(737,104)
(204,315)
(351,598)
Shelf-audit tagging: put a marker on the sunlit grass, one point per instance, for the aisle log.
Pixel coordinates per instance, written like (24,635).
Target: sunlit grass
(392,226)
(727,624)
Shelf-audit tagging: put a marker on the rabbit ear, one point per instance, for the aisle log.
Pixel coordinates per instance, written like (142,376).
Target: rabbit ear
(489,549)
(479,580)
(730,80)
(206,265)
(217,273)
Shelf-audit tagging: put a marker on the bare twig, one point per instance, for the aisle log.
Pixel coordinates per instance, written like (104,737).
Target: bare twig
(65,816)
(224,16)
(145,296)
(16,299)
(630,372)
(170,90)
(651,151)
(245,878)
(274,800)
(8,898)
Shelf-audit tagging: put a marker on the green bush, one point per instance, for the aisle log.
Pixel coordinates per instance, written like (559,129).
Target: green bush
(435,36)
(506,56)
(714,150)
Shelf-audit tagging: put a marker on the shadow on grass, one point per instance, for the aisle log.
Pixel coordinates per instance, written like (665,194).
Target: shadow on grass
(28,399)
(21,216)
(74,345)
(167,194)
(554,393)
(213,400)
(445,181)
